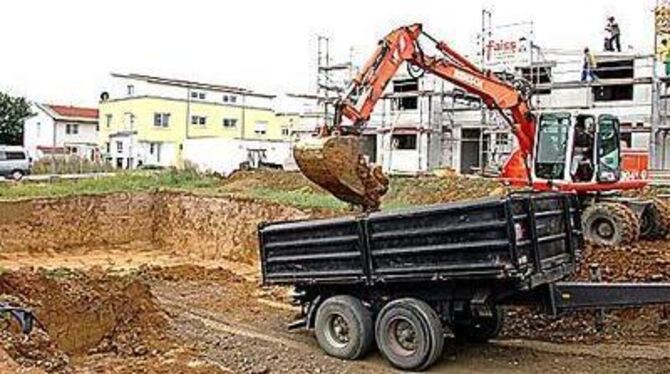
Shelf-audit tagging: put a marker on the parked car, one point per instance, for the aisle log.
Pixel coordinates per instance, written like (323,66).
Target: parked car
(14,162)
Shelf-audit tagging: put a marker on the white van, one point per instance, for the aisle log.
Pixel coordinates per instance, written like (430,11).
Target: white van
(14,162)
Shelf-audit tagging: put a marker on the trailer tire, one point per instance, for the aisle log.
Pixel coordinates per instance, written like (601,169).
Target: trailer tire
(344,327)
(409,334)
(479,329)
(610,224)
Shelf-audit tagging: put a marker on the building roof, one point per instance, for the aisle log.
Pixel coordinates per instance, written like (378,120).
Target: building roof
(191,84)
(70,113)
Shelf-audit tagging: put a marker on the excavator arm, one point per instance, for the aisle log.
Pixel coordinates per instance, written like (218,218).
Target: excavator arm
(335,162)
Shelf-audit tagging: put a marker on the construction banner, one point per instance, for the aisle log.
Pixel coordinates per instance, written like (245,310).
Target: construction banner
(508,48)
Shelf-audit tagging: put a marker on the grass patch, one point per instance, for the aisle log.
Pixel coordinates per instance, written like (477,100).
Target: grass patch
(124,182)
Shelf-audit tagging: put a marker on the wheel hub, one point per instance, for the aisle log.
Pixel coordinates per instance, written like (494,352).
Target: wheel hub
(604,228)
(405,335)
(339,330)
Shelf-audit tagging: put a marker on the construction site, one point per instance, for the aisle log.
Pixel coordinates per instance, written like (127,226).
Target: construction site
(168,281)
(506,211)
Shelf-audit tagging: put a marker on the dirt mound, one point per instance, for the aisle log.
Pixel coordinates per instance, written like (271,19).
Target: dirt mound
(434,190)
(82,313)
(641,262)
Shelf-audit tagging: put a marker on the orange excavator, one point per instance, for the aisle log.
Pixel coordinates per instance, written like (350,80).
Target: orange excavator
(556,151)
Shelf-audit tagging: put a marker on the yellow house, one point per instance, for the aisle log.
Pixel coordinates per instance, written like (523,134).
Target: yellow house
(145,120)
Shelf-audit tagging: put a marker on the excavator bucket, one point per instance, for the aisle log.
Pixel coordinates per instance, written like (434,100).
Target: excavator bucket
(337,164)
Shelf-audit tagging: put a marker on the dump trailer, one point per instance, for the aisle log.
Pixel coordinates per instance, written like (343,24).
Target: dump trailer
(402,279)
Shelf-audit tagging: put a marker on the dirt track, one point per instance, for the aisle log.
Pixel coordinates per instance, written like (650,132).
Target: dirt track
(221,322)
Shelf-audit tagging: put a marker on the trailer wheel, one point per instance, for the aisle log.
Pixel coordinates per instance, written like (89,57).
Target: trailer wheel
(409,334)
(477,329)
(344,327)
(610,224)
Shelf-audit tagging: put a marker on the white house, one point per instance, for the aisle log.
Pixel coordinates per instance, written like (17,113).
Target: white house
(59,129)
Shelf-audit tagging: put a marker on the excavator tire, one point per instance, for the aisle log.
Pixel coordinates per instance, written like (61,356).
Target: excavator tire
(610,224)
(659,212)
(337,164)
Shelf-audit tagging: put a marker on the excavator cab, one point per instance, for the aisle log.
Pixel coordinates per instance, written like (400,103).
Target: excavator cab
(577,149)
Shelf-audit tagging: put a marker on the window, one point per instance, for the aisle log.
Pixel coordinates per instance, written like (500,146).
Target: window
(285,131)
(229,122)
(404,142)
(152,148)
(119,147)
(618,92)
(229,99)
(15,156)
(537,75)
(198,120)
(108,148)
(131,90)
(72,129)
(129,120)
(108,120)
(410,102)
(261,128)
(198,95)
(552,146)
(39,129)
(621,69)
(162,119)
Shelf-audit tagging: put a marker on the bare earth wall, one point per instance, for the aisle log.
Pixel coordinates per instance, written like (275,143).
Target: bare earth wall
(184,224)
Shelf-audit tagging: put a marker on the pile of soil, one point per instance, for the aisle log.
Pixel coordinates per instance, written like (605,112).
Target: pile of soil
(640,262)
(81,314)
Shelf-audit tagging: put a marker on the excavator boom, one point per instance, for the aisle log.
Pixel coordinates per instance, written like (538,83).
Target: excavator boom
(335,160)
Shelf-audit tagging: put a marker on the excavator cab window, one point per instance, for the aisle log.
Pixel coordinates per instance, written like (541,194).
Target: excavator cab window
(582,166)
(552,143)
(608,145)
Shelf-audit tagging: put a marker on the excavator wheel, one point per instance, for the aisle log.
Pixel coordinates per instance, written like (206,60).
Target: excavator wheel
(337,164)
(656,220)
(611,224)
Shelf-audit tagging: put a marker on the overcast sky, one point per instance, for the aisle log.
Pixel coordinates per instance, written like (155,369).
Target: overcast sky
(63,51)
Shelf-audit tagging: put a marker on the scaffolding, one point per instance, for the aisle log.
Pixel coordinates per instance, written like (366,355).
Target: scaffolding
(331,78)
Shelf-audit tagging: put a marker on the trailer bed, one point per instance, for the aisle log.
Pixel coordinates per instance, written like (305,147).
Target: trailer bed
(525,238)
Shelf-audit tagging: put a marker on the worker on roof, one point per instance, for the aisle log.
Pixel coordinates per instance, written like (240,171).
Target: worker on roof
(590,65)
(664,55)
(614,42)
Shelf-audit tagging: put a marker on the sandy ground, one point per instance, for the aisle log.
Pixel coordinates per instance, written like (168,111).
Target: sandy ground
(219,320)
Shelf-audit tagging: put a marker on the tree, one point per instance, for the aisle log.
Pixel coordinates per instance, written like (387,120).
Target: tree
(13,111)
